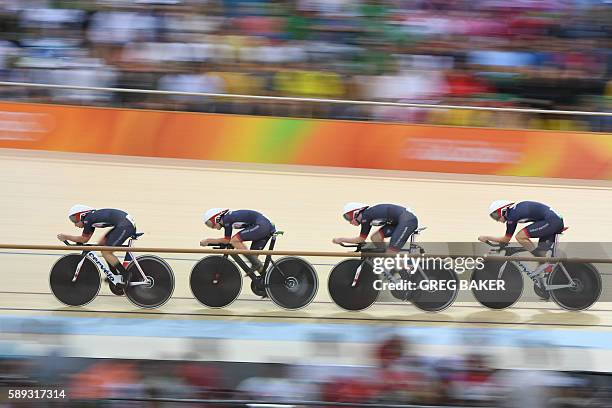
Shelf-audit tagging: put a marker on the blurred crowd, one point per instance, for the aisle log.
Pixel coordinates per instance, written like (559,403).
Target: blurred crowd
(548,54)
(400,376)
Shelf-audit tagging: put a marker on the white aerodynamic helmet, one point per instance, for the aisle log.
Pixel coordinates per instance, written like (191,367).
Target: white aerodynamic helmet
(351,209)
(496,208)
(212,216)
(76,212)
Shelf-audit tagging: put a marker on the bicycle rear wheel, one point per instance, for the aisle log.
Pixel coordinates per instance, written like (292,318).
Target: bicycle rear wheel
(160,282)
(341,289)
(81,292)
(436,291)
(215,281)
(291,283)
(587,286)
(505,296)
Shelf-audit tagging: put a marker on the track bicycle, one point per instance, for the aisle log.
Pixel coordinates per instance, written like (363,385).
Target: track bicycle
(290,282)
(573,286)
(75,278)
(352,283)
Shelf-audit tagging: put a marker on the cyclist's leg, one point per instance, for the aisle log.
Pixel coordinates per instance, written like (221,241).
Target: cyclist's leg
(378,238)
(116,237)
(524,235)
(406,225)
(399,233)
(109,256)
(259,235)
(546,243)
(539,229)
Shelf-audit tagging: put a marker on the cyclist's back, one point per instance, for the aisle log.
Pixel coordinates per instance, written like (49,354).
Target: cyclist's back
(529,211)
(239,219)
(382,214)
(106,217)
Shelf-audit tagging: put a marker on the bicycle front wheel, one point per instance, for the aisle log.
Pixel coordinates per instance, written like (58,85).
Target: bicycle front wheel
(350,294)
(507,289)
(215,281)
(84,289)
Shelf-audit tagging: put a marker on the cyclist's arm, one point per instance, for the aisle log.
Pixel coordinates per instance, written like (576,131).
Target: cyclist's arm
(214,241)
(353,240)
(500,240)
(363,234)
(510,228)
(79,239)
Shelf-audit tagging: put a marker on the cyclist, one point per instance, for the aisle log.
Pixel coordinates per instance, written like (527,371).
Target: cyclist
(395,221)
(253,226)
(123,227)
(546,223)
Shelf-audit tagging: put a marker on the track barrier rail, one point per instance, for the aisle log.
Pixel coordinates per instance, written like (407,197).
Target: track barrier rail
(332,254)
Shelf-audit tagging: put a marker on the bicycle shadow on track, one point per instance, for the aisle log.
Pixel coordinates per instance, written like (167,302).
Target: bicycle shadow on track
(420,316)
(347,315)
(565,318)
(493,317)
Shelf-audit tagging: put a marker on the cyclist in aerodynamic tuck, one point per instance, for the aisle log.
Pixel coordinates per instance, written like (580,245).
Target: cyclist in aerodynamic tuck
(123,227)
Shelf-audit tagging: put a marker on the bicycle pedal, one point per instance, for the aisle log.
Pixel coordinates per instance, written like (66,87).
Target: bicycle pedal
(115,290)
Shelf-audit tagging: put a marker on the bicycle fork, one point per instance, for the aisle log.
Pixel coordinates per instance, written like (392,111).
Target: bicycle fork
(114,279)
(96,260)
(357,273)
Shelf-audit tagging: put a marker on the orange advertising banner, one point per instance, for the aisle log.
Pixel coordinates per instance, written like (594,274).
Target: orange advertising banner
(306,141)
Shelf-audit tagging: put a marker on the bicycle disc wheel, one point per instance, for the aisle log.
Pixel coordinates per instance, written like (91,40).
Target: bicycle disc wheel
(341,289)
(292,283)
(161,282)
(436,292)
(586,292)
(81,292)
(215,281)
(509,286)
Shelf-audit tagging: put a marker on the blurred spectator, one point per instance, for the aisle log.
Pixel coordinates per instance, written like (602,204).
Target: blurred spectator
(276,385)
(474,382)
(545,55)
(400,378)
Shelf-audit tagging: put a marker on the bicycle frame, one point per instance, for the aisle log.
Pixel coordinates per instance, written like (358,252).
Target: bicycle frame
(536,273)
(411,247)
(114,279)
(267,261)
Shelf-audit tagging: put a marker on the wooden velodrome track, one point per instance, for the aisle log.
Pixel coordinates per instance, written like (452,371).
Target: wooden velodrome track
(168,197)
